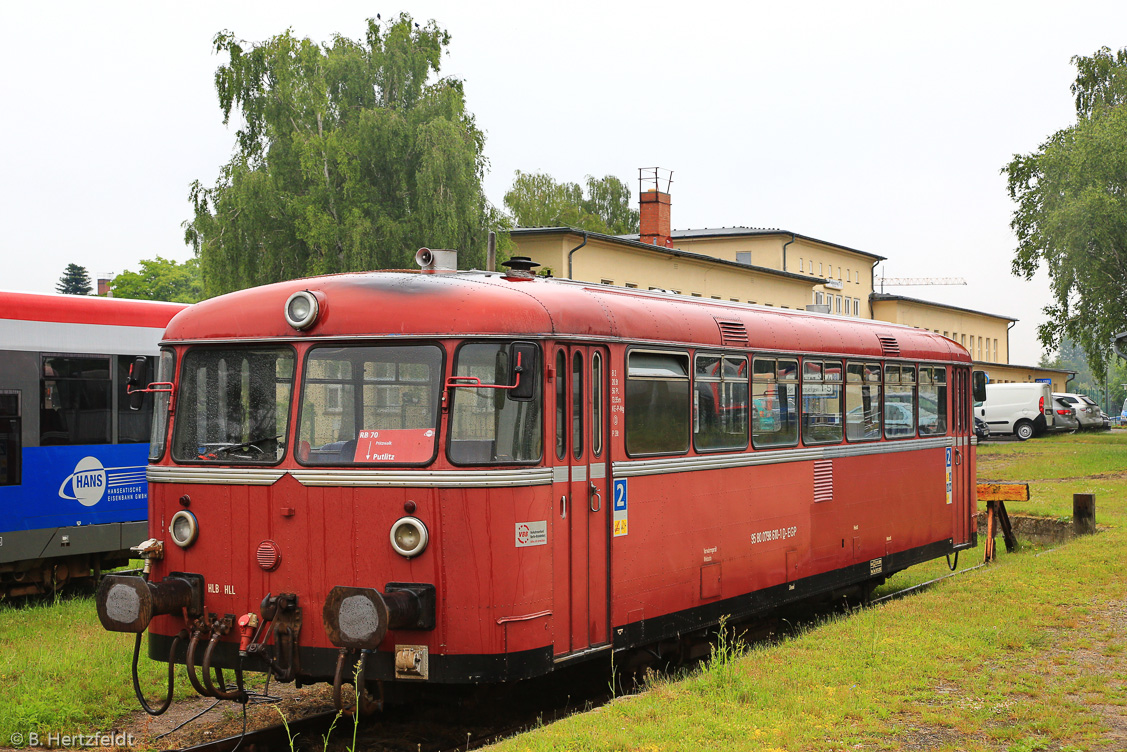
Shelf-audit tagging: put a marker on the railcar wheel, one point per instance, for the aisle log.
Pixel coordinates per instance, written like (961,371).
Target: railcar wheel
(1023,430)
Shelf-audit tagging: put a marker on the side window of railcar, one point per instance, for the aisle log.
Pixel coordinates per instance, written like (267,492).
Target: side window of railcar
(899,401)
(233,405)
(133,426)
(821,401)
(933,401)
(486,427)
(11,440)
(657,402)
(370,405)
(774,402)
(166,373)
(862,401)
(76,399)
(720,402)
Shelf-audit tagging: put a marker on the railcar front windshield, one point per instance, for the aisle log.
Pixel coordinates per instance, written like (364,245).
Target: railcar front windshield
(233,405)
(375,405)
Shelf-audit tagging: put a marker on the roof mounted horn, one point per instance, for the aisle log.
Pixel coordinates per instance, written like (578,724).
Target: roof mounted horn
(437,260)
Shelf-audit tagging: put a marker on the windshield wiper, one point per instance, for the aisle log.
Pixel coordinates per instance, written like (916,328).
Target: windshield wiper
(252,444)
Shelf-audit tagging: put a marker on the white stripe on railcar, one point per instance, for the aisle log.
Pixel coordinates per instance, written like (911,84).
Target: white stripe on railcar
(67,337)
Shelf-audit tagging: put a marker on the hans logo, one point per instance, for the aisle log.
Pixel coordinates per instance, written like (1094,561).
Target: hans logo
(86,484)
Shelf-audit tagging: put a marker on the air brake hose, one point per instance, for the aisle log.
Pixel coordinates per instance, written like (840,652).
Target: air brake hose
(221,692)
(171,676)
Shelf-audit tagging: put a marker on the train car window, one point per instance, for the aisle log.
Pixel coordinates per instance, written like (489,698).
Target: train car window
(158,437)
(133,426)
(774,413)
(720,402)
(821,401)
(933,401)
(486,427)
(596,404)
(233,405)
(577,404)
(862,401)
(76,395)
(11,437)
(899,401)
(561,404)
(657,402)
(370,405)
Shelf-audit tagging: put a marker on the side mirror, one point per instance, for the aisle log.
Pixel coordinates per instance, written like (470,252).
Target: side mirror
(524,361)
(978,386)
(138,380)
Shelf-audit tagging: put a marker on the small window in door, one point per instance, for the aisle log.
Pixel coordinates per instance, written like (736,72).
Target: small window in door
(561,404)
(577,405)
(597,404)
(11,442)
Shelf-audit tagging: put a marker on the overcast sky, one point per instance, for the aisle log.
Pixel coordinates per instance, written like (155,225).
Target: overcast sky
(879,126)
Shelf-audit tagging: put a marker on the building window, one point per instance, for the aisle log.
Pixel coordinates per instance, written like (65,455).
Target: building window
(743,257)
(696,295)
(631,286)
(801,265)
(608,281)
(819,268)
(997,355)
(716,297)
(819,298)
(838,301)
(856,306)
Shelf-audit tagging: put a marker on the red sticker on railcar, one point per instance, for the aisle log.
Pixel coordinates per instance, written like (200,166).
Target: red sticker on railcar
(395,445)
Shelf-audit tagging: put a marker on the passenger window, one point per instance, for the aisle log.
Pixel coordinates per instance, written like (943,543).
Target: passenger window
(821,401)
(862,401)
(899,401)
(774,414)
(933,401)
(720,402)
(657,402)
(11,441)
(75,406)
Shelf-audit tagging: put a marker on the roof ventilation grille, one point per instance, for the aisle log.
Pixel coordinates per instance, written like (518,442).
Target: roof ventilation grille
(889,347)
(732,332)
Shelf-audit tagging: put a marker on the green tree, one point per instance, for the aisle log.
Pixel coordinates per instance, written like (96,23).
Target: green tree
(75,281)
(161,279)
(537,200)
(1071,213)
(350,156)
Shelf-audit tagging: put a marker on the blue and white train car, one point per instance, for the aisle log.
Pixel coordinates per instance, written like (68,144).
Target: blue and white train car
(73,494)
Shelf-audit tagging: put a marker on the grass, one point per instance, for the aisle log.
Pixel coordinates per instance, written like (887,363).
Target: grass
(62,672)
(1022,655)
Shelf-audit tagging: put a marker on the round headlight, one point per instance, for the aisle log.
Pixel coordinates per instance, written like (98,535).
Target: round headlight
(409,536)
(301,309)
(184,529)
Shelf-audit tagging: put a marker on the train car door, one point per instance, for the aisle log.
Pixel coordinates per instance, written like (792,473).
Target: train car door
(581,543)
(961,468)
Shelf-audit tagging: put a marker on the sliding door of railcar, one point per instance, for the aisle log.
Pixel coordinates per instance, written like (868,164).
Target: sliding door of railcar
(962,469)
(580,489)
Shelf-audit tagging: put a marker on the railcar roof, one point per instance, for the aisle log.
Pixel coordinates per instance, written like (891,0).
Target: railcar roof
(86,309)
(411,304)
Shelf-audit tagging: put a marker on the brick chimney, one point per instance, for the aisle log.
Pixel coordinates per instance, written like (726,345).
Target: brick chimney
(654,221)
(104,287)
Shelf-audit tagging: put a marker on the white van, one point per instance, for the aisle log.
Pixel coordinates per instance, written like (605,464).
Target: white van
(1025,410)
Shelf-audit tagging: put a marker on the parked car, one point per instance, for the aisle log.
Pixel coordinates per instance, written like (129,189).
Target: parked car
(1087,411)
(1065,420)
(981,430)
(1025,410)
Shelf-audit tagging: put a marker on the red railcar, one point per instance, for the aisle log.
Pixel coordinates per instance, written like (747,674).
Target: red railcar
(472,477)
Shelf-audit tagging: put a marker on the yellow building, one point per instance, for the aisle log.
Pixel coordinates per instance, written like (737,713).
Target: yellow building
(611,260)
(768,267)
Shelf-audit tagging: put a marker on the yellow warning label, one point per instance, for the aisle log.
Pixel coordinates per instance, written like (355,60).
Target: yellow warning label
(619,528)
